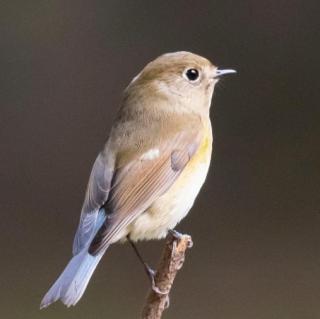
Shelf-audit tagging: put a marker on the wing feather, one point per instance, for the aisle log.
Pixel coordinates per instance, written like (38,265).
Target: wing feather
(97,194)
(141,182)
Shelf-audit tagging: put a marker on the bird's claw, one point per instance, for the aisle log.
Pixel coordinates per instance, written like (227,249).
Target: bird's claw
(151,274)
(175,234)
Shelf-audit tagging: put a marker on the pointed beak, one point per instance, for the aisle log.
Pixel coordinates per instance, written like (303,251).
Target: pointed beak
(220,73)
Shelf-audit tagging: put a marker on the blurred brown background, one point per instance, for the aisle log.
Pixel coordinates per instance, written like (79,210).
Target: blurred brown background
(256,223)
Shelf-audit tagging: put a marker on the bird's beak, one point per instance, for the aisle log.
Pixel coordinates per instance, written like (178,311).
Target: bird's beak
(220,73)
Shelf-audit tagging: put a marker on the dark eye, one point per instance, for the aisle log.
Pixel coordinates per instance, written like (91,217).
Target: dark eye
(192,75)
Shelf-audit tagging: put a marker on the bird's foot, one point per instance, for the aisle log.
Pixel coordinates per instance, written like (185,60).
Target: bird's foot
(175,234)
(151,274)
(178,236)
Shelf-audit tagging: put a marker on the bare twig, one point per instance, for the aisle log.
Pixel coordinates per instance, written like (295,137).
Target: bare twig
(171,261)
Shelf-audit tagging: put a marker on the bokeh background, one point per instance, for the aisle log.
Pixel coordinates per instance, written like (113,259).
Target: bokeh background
(256,223)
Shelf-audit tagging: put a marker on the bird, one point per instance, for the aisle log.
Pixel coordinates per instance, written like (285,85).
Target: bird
(154,162)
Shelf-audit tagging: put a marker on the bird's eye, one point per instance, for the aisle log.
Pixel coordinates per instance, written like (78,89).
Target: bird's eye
(192,75)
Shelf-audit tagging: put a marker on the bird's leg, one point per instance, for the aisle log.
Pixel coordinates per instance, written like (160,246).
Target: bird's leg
(150,272)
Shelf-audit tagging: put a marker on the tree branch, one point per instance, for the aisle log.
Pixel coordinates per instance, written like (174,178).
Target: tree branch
(172,260)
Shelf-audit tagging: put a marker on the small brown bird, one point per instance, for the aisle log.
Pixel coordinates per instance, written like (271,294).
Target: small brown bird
(151,168)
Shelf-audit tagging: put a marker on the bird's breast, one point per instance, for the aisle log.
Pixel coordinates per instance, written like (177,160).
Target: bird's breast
(172,206)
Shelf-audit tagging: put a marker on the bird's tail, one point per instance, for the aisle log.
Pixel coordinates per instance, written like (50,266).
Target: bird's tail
(72,283)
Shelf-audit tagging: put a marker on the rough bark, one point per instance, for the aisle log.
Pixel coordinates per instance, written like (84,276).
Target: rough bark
(171,261)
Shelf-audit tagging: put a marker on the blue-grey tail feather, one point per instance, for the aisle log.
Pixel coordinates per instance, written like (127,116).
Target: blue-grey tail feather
(87,229)
(71,284)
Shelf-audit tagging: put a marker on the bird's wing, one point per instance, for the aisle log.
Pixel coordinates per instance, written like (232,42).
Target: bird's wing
(97,194)
(136,185)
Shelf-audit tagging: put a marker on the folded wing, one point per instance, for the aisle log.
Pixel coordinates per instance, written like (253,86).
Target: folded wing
(136,185)
(97,194)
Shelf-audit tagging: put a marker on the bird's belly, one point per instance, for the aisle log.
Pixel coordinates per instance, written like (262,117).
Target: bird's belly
(170,208)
